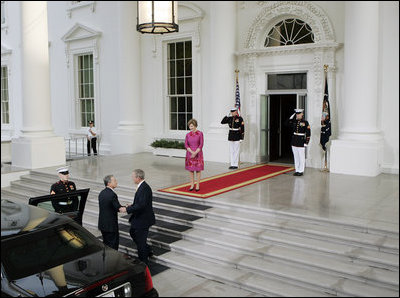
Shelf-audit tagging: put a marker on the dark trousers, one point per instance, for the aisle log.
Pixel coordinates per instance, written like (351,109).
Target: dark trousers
(111,239)
(139,236)
(93,143)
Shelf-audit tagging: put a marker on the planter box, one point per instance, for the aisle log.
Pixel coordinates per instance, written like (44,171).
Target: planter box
(170,152)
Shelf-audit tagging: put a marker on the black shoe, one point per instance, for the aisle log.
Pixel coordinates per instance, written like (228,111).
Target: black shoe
(300,174)
(197,189)
(151,253)
(190,189)
(296,174)
(231,167)
(234,168)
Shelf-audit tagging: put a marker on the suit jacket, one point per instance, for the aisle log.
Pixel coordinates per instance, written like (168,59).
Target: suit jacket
(108,207)
(142,208)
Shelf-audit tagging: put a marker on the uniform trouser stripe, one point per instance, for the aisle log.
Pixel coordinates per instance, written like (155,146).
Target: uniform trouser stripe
(234,147)
(299,158)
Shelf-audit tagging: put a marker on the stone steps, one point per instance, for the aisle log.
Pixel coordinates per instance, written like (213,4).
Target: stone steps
(267,252)
(336,235)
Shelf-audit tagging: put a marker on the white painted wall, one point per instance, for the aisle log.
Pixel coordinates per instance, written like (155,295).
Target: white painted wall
(102,16)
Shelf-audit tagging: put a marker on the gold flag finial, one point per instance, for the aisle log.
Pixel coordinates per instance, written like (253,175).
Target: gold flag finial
(326,67)
(237,74)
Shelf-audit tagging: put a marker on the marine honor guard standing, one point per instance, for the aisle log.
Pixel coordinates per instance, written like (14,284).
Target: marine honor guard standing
(236,135)
(64,186)
(301,134)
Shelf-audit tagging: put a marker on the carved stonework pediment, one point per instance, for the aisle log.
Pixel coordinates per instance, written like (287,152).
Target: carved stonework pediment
(79,32)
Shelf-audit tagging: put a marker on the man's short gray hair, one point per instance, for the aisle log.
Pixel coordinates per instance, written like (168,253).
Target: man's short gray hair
(107,179)
(139,173)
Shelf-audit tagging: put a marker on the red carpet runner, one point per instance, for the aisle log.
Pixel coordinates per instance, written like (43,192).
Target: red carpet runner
(218,184)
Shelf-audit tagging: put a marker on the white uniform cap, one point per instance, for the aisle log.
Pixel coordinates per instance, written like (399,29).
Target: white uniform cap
(234,109)
(298,111)
(62,169)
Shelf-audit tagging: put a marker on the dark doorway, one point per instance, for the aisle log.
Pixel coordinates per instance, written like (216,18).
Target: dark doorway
(281,107)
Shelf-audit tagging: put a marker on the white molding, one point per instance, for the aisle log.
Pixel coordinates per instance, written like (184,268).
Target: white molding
(4,26)
(75,6)
(81,39)
(197,15)
(275,11)
(5,50)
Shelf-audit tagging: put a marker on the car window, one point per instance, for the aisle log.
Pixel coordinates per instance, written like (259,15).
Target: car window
(39,251)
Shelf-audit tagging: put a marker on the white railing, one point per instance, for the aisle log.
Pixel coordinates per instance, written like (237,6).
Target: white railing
(75,147)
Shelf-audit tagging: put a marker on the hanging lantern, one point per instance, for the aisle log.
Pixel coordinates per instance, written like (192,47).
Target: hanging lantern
(157,17)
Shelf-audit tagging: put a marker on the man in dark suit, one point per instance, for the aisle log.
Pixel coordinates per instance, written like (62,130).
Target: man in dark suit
(109,207)
(142,215)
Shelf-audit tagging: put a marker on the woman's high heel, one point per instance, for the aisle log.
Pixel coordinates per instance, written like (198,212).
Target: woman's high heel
(190,189)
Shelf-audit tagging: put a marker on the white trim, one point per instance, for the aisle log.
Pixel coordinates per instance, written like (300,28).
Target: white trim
(7,130)
(75,6)
(4,26)
(79,40)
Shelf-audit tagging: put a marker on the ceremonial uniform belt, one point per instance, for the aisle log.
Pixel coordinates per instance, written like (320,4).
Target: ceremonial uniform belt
(299,134)
(235,129)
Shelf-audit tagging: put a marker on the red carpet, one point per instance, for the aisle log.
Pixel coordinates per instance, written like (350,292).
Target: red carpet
(218,184)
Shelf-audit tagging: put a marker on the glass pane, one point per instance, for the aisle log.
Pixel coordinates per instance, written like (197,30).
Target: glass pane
(86,76)
(287,81)
(189,116)
(188,67)
(83,107)
(172,89)
(188,85)
(180,82)
(179,50)
(182,104)
(188,49)
(182,124)
(189,108)
(91,61)
(86,90)
(173,104)
(171,51)
(180,72)
(174,122)
(171,69)
(91,76)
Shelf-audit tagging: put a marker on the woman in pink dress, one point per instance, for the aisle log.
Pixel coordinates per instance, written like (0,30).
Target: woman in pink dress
(194,161)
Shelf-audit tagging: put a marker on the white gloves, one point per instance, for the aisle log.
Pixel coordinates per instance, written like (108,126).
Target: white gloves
(291,117)
(305,145)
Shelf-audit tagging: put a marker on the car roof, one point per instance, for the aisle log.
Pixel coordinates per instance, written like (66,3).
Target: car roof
(19,218)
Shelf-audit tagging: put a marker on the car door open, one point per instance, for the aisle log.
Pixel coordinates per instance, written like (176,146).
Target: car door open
(71,204)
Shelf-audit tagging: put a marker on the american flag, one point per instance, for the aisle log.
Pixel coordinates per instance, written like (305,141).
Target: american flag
(237,95)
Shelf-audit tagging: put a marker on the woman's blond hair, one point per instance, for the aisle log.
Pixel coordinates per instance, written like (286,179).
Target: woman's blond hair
(192,121)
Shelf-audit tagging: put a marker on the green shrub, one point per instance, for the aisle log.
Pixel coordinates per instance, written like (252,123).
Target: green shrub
(163,143)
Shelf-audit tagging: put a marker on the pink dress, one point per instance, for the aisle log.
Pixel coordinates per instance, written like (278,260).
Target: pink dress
(193,141)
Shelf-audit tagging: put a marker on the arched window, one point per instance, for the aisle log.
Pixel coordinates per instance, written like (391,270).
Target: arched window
(289,32)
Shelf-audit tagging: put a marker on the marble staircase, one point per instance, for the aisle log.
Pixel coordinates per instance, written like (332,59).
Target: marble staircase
(268,252)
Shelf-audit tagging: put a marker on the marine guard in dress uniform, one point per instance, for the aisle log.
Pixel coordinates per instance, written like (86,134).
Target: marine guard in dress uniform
(64,186)
(301,134)
(236,135)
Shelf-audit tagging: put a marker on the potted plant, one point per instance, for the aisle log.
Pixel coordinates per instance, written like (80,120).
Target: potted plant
(166,147)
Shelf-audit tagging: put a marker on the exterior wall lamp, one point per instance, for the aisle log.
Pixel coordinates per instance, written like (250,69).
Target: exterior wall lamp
(157,17)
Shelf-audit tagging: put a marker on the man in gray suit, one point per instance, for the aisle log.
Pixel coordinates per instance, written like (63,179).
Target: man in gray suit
(109,207)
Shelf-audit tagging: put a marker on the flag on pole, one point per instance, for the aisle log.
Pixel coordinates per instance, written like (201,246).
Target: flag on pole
(237,95)
(326,130)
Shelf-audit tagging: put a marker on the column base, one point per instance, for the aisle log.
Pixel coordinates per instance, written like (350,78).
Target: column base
(356,158)
(128,141)
(34,153)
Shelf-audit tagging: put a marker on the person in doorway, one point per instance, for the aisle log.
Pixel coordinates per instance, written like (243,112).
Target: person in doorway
(109,207)
(236,135)
(194,161)
(91,138)
(142,217)
(301,134)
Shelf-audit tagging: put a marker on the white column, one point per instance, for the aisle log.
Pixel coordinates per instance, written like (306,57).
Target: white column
(130,132)
(222,78)
(359,146)
(38,146)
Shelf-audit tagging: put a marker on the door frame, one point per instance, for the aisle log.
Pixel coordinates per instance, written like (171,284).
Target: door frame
(301,103)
